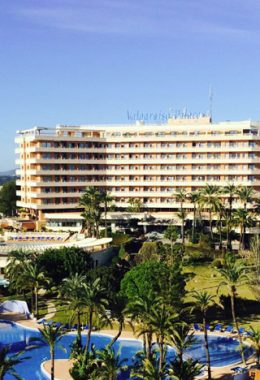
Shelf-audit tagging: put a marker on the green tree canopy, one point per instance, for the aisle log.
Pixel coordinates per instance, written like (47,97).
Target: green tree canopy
(8,198)
(60,263)
(155,278)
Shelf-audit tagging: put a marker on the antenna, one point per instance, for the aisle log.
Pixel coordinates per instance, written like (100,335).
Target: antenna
(210,101)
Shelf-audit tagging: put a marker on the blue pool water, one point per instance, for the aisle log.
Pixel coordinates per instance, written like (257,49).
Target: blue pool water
(223,350)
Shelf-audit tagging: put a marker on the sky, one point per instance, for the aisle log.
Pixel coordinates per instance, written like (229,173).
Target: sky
(99,61)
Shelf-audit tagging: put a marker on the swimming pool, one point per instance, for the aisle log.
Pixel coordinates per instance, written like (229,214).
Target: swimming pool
(223,350)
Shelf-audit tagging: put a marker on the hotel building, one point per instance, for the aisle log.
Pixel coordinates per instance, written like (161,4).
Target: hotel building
(144,161)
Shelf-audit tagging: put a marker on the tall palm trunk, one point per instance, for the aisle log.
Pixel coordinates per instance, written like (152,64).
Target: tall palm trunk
(52,363)
(79,329)
(232,296)
(220,232)
(105,214)
(89,331)
(113,341)
(161,351)
(193,223)
(36,301)
(206,343)
(149,344)
(210,223)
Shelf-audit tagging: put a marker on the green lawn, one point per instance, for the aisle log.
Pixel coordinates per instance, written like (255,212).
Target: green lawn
(204,277)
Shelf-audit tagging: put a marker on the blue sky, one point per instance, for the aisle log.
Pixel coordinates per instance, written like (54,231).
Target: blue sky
(91,61)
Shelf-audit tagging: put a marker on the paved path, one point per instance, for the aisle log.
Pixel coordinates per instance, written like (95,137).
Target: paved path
(51,310)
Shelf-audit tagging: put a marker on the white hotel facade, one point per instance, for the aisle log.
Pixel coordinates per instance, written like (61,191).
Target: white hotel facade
(143,161)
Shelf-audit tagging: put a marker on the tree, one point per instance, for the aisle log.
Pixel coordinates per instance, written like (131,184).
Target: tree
(181,338)
(245,194)
(134,205)
(106,200)
(144,278)
(8,198)
(139,310)
(96,302)
(254,340)
(161,319)
(117,308)
(203,301)
(108,365)
(180,196)
(149,369)
(72,292)
(60,263)
(211,200)
(231,190)
(190,369)
(7,363)
(171,234)
(194,197)
(51,334)
(255,249)
(233,274)
(148,252)
(243,219)
(91,200)
(35,278)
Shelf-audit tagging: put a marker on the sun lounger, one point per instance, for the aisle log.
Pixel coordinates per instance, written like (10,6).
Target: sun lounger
(74,328)
(229,329)
(241,330)
(41,321)
(85,327)
(58,324)
(218,327)
(196,327)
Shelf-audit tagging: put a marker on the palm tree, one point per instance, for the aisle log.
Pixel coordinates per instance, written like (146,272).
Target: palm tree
(233,274)
(180,196)
(108,365)
(231,190)
(243,219)
(211,200)
(203,301)
(35,278)
(254,340)
(190,369)
(91,200)
(135,205)
(94,298)
(182,215)
(7,363)
(51,334)
(181,338)
(72,292)
(161,320)
(106,199)
(118,313)
(255,249)
(194,198)
(149,369)
(139,310)
(245,194)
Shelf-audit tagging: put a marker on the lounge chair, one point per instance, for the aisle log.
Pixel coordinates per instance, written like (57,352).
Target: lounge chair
(85,327)
(58,324)
(229,329)
(218,328)
(196,327)
(42,320)
(207,327)
(241,330)
(74,328)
